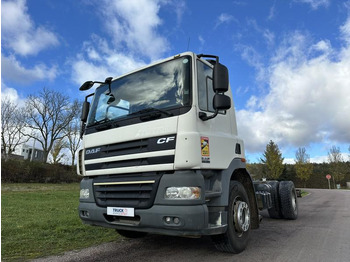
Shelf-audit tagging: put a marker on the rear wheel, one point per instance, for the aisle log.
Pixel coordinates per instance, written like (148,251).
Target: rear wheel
(131,234)
(235,239)
(275,210)
(288,196)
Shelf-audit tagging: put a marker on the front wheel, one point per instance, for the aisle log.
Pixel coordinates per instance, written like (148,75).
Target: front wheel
(235,239)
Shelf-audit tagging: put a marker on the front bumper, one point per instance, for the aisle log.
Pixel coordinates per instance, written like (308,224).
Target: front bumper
(192,220)
(164,216)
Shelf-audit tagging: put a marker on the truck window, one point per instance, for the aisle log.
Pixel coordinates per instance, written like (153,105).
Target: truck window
(205,87)
(164,86)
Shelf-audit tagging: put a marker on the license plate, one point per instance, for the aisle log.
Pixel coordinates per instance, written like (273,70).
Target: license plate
(121,211)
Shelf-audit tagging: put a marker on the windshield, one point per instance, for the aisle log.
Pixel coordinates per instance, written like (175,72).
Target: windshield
(162,86)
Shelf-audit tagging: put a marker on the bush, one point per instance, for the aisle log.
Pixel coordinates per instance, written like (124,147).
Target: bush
(19,171)
(316,180)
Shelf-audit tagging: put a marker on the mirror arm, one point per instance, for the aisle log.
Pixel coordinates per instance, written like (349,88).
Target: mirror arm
(82,129)
(203,116)
(108,81)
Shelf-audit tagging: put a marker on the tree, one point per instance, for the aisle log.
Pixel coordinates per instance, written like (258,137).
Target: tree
(56,150)
(73,136)
(48,114)
(256,170)
(335,160)
(273,160)
(12,125)
(303,167)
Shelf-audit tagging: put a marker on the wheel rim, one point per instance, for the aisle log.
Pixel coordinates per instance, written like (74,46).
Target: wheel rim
(294,201)
(241,216)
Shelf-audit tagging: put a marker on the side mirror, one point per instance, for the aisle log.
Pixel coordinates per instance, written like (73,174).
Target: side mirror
(220,78)
(85,111)
(221,102)
(86,86)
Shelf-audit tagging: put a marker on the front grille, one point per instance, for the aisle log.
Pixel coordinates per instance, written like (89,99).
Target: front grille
(133,162)
(132,191)
(136,153)
(151,144)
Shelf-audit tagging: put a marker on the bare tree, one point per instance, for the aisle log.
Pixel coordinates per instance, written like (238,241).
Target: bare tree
(73,136)
(335,160)
(48,114)
(303,167)
(12,125)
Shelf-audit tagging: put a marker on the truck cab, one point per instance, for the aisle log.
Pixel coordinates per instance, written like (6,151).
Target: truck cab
(161,154)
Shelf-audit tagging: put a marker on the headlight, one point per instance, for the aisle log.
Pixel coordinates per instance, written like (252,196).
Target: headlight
(84,193)
(183,193)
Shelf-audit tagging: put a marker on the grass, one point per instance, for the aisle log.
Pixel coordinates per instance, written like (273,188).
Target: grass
(304,193)
(42,219)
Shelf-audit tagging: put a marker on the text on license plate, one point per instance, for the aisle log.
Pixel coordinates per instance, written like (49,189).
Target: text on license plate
(121,211)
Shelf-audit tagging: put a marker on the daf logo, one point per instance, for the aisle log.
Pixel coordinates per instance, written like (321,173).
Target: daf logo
(165,140)
(92,151)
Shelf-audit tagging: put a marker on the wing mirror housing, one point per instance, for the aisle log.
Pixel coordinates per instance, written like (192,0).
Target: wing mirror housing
(220,78)
(221,102)
(84,114)
(85,111)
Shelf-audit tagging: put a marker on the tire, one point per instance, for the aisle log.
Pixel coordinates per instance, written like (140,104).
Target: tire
(289,203)
(235,239)
(131,234)
(275,210)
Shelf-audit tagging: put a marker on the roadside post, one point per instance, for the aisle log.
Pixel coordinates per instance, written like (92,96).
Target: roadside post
(329,178)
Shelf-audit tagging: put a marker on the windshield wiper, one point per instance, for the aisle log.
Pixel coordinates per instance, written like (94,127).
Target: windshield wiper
(150,110)
(104,124)
(104,120)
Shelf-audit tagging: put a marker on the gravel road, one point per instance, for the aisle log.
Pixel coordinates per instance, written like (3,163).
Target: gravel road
(321,233)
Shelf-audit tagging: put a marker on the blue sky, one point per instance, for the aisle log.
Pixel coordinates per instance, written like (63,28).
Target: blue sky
(289,61)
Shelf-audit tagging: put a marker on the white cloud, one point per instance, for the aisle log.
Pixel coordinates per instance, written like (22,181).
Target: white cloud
(272,12)
(179,8)
(19,32)
(201,43)
(133,26)
(134,23)
(224,18)
(14,71)
(21,37)
(11,94)
(308,99)
(254,59)
(345,31)
(315,4)
(201,40)
(98,61)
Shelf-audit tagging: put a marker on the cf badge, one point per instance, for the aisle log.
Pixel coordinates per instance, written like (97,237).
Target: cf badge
(164,140)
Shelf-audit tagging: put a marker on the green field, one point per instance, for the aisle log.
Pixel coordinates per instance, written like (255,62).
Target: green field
(42,219)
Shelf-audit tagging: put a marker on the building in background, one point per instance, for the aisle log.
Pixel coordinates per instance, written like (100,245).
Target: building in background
(32,153)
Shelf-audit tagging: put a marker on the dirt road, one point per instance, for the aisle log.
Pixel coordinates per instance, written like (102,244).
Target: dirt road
(321,233)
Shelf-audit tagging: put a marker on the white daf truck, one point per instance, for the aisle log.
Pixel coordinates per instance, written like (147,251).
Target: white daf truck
(161,155)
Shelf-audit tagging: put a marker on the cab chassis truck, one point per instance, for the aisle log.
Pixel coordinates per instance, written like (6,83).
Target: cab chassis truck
(161,154)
